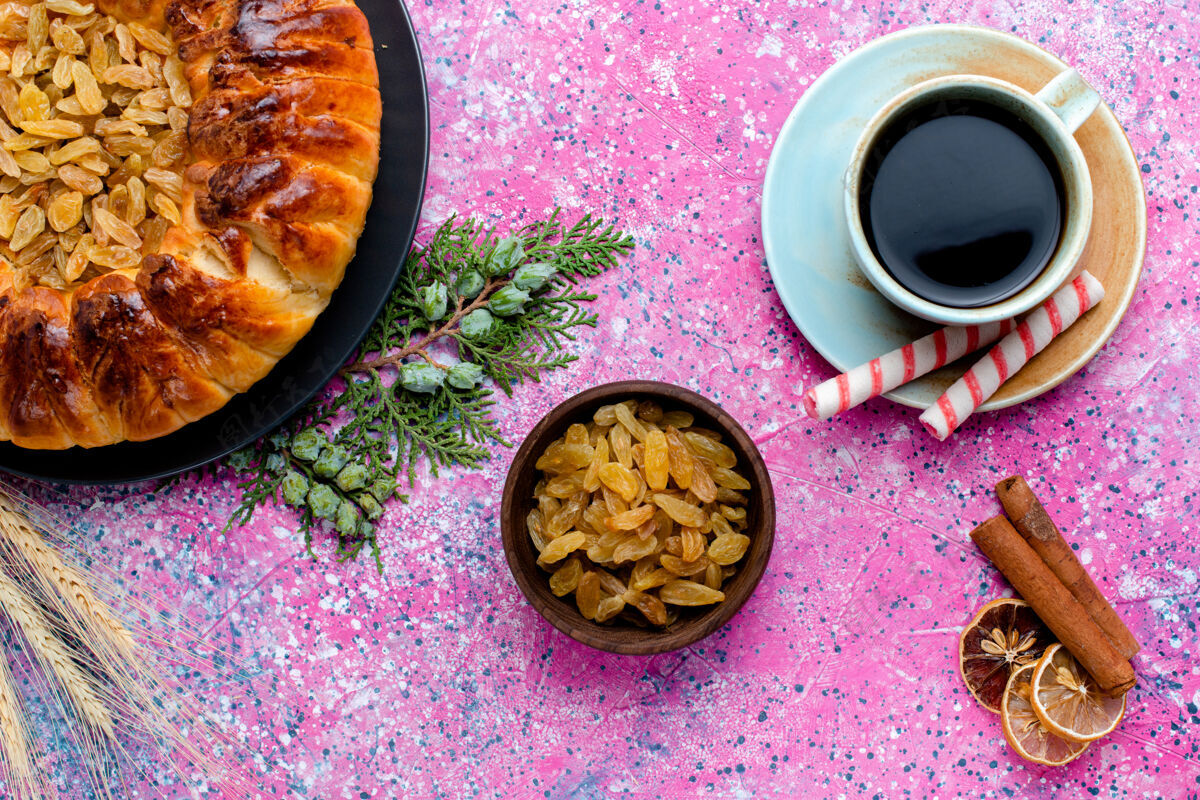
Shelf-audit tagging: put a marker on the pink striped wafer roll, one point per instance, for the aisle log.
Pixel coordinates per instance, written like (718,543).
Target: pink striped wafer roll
(1013,352)
(900,366)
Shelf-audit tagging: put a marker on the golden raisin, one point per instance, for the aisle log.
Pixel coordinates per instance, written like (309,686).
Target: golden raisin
(31,223)
(702,483)
(608,608)
(613,501)
(729,496)
(65,211)
(711,449)
(652,578)
(621,446)
(692,544)
(679,459)
(630,520)
(115,257)
(678,566)
(729,479)
(87,90)
(591,478)
(116,227)
(559,457)
(587,594)
(34,104)
(629,422)
(728,548)
(720,526)
(564,486)
(689,593)
(605,416)
(75,150)
(650,411)
(151,39)
(9,212)
(576,434)
(78,260)
(566,578)
(684,513)
(560,548)
(620,479)
(80,179)
(167,208)
(713,575)
(656,460)
(733,514)
(568,514)
(651,607)
(633,548)
(677,419)
(128,76)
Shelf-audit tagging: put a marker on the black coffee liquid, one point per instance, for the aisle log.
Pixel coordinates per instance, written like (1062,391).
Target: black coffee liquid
(962,202)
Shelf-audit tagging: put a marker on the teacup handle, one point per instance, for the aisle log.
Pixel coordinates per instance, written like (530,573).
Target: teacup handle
(1069,96)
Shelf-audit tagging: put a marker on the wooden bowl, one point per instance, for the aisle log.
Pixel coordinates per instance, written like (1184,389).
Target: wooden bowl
(616,636)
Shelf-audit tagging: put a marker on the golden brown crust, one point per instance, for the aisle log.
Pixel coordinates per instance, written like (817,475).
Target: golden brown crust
(238,332)
(142,379)
(47,403)
(239,45)
(300,213)
(310,118)
(284,138)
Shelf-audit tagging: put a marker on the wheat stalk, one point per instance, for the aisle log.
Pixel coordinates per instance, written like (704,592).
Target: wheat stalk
(55,574)
(17,759)
(105,641)
(27,534)
(81,690)
(132,697)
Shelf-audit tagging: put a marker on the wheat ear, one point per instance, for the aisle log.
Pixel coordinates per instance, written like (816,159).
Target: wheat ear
(55,657)
(27,548)
(50,570)
(33,535)
(18,763)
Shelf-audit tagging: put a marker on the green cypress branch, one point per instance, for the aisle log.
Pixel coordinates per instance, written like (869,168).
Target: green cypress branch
(469,308)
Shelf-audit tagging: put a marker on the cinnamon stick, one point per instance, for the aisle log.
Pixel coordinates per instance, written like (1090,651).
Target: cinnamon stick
(1056,606)
(1034,524)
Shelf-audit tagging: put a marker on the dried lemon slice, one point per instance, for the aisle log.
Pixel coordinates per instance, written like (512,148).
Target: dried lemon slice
(1005,634)
(1025,732)
(1067,700)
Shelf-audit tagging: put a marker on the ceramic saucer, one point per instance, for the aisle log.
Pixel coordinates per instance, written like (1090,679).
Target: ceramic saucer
(808,249)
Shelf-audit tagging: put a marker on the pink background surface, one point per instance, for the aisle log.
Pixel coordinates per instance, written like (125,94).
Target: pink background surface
(838,678)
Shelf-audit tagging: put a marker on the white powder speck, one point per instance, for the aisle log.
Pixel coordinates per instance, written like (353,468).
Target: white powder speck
(771,45)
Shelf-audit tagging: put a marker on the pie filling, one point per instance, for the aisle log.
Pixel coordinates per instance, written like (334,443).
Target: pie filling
(93,118)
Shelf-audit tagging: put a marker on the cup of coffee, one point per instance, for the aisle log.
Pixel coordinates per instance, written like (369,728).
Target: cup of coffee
(968,199)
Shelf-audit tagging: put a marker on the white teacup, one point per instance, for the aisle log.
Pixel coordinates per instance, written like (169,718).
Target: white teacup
(1054,114)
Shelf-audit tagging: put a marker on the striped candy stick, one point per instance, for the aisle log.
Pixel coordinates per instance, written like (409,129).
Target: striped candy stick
(1013,352)
(900,366)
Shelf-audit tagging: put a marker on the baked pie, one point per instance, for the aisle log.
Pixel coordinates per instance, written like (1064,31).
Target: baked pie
(182,185)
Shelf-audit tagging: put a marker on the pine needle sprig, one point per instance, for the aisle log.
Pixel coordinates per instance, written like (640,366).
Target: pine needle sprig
(470,311)
(274,473)
(532,343)
(451,427)
(588,248)
(513,348)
